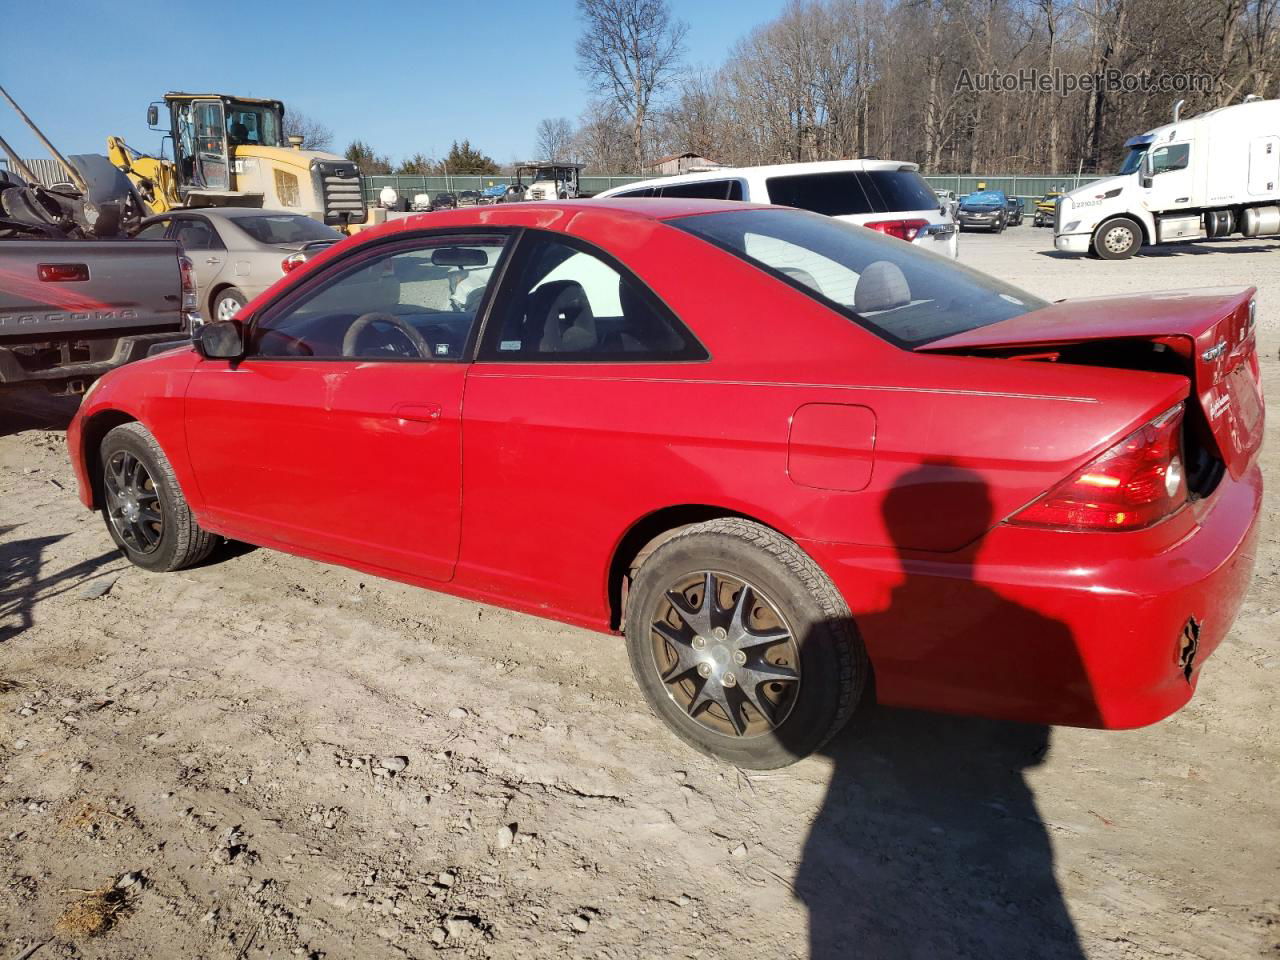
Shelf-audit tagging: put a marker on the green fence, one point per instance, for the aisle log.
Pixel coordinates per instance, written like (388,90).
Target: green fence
(1014,185)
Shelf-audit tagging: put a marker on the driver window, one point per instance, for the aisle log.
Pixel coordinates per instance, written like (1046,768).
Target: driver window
(1173,157)
(414,302)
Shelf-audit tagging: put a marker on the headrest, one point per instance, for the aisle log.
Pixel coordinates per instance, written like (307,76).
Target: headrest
(881,286)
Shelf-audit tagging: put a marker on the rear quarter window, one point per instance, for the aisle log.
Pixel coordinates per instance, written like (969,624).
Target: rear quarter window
(833,194)
(706,190)
(852,192)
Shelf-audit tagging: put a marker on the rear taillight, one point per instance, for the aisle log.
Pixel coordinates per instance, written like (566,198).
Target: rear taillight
(1136,483)
(293,261)
(187,269)
(902,229)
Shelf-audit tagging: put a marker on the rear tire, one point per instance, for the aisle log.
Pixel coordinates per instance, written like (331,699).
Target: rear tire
(1117,239)
(143,506)
(763,701)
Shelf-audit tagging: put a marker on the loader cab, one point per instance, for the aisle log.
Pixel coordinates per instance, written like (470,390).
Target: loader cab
(206,129)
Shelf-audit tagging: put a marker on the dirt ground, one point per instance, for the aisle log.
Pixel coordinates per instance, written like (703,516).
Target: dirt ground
(268,757)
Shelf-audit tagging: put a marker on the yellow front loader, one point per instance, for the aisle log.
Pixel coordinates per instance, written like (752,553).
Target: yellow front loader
(232,151)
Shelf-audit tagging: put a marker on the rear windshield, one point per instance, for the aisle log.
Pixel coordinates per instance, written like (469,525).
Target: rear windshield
(905,295)
(846,192)
(286,228)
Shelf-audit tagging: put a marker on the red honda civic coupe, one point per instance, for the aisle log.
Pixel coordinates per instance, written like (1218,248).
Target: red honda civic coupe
(781,454)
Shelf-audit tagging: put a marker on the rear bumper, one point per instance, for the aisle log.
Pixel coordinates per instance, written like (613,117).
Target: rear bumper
(1052,627)
(127,349)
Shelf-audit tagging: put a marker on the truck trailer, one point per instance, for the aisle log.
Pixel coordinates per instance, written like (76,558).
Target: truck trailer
(1215,176)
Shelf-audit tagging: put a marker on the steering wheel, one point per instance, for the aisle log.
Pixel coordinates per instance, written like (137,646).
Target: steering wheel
(366,320)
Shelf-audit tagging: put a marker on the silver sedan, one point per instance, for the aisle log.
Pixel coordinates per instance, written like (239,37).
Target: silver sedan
(238,251)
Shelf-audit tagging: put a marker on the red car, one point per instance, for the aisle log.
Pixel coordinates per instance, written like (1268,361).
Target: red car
(780,453)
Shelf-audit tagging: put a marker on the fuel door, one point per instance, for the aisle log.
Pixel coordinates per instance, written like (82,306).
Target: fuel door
(831,446)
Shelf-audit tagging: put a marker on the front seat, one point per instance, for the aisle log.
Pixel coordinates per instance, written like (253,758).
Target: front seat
(560,316)
(239,134)
(882,286)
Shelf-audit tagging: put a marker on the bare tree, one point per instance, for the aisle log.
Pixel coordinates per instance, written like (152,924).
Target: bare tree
(827,79)
(315,135)
(554,139)
(602,140)
(630,51)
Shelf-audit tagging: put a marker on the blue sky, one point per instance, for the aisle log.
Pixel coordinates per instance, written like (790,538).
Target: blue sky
(403,76)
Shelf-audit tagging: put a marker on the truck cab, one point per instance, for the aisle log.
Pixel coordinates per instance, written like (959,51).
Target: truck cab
(1209,176)
(549,180)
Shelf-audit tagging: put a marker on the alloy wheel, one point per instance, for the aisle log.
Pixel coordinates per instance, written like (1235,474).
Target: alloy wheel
(227,308)
(133,502)
(726,654)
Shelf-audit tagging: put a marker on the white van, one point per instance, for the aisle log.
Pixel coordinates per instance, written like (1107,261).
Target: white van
(884,195)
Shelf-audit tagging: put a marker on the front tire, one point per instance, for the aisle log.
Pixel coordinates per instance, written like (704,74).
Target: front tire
(227,304)
(1117,239)
(143,506)
(742,645)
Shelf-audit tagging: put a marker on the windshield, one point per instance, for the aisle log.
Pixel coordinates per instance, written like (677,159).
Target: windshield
(253,123)
(285,228)
(985,199)
(1134,158)
(907,296)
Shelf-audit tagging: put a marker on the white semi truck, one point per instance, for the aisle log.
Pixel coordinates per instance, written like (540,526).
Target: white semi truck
(1215,175)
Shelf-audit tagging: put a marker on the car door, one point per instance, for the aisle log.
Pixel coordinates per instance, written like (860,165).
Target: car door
(339,433)
(1169,167)
(577,357)
(201,243)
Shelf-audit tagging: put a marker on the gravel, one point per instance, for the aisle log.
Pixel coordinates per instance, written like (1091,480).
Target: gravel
(912,835)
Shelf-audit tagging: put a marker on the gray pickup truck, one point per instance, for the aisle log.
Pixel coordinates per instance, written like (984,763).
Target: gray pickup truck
(70,310)
(76,297)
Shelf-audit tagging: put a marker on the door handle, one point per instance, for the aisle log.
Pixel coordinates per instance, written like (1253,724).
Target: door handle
(420,412)
(213,260)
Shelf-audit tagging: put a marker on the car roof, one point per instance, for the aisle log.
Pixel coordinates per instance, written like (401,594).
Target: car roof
(772,170)
(550,213)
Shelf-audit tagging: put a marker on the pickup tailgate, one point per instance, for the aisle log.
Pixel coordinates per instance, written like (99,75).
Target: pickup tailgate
(58,287)
(1213,331)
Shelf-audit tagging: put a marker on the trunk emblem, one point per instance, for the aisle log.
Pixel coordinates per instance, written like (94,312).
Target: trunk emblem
(1214,352)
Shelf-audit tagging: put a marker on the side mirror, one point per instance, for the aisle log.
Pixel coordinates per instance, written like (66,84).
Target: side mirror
(222,340)
(1147,181)
(153,116)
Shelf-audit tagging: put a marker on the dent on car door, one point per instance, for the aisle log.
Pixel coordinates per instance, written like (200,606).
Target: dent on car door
(340,432)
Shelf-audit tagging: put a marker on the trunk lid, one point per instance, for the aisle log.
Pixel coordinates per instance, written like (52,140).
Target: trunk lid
(1209,335)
